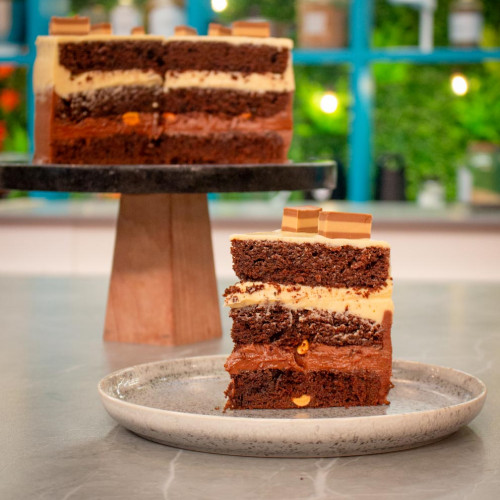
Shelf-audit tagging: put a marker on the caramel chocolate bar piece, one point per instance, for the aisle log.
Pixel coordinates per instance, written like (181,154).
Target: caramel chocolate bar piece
(138,30)
(344,225)
(101,29)
(185,31)
(246,28)
(215,29)
(300,219)
(69,26)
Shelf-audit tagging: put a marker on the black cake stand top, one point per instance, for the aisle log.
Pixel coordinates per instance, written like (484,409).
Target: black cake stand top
(137,179)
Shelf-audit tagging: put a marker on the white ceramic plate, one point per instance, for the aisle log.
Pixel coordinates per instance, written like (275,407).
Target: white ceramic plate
(179,403)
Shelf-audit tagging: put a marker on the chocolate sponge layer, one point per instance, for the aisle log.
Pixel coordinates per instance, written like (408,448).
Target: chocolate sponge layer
(274,389)
(112,55)
(220,56)
(224,148)
(311,264)
(289,327)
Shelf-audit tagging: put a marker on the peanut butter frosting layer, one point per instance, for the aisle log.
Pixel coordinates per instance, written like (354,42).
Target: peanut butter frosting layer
(364,303)
(292,237)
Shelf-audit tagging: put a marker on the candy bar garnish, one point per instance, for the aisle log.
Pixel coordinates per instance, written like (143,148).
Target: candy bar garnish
(138,30)
(344,225)
(69,26)
(185,31)
(247,28)
(300,219)
(101,29)
(215,29)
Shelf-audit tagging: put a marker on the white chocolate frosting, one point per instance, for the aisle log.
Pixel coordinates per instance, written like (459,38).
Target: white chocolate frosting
(364,303)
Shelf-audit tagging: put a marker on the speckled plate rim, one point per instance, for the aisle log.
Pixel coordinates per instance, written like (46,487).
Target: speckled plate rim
(374,433)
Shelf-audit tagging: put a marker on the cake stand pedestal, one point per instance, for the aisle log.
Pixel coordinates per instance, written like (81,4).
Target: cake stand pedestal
(163,287)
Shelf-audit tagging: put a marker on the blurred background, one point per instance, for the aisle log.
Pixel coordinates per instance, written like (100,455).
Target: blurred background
(403,94)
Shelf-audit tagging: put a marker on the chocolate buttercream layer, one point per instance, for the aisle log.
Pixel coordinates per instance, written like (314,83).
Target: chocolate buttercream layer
(319,357)
(108,101)
(109,55)
(282,326)
(275,389)
(157,124)
(221,56)
(227,102)
(311,264)
(132,148)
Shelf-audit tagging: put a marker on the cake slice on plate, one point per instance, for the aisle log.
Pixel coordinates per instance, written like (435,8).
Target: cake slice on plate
(311,315)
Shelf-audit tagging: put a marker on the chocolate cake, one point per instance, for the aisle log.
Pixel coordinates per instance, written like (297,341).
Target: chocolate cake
(222,98)
(311,315)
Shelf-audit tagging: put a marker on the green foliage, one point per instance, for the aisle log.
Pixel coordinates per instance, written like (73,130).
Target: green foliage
(13,109)
(275,10)
(318,135)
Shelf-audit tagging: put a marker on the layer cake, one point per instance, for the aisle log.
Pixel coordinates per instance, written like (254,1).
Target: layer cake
(311,315)
(107,99)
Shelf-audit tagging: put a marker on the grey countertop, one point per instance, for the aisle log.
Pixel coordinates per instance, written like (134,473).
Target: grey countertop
(57,441)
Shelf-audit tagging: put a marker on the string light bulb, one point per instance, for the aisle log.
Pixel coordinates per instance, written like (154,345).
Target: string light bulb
(219,5)
(459,84)
(329,103)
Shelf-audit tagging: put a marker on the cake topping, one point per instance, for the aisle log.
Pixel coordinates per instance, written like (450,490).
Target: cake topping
(101,29)
(69,26)
(304,400)
(131,118)
(215,29)
(138,30)
(344,225)
(246,28)
(300,219)
(185,31)
(303,347)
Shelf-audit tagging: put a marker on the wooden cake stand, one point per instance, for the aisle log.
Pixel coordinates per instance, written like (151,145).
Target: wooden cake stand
(163,287)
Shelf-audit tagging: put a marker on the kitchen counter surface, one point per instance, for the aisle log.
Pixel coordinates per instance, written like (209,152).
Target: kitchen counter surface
(58,442)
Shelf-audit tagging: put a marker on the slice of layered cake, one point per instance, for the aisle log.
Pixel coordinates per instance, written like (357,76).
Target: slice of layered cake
(311,315)
(107,99)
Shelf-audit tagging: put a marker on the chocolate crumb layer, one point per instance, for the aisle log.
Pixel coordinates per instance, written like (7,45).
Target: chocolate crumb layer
(107,102)
(220,56)
(288,327)
(311,264)
(274,389)
(227,102)
(112,55)
(224,148)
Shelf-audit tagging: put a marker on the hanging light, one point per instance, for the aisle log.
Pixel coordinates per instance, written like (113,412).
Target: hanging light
(459,84)
(219,5)
(329,103)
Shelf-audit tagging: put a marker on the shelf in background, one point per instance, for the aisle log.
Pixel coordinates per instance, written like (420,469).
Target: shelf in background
(412,55)
(14,54)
